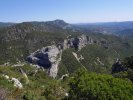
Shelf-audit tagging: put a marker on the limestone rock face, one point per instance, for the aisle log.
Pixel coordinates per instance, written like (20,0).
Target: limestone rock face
(48,58)
(65,44)
(80,57)
(54,69)
(80,42)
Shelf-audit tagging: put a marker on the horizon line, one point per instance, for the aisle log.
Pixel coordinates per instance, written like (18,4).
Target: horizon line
(87,22)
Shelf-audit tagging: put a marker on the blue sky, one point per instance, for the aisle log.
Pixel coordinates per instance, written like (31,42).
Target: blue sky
(72,11)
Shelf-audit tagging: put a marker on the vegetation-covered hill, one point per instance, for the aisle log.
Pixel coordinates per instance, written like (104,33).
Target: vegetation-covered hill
(99,56)
(80,85)
(39,87)
(97,82)
(18,41)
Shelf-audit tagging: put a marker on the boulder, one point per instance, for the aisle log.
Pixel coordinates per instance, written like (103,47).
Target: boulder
(17,83)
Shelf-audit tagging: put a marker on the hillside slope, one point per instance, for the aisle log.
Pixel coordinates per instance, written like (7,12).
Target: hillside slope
(20,40)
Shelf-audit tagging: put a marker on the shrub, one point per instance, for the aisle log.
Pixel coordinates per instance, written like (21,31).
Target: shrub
(54,92)
(91,86)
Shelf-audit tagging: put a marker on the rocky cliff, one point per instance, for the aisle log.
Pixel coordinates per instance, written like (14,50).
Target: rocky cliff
(49,57)
(77,42)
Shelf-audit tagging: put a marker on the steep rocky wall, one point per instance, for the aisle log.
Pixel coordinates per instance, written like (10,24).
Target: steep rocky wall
(78,42)
(49,57)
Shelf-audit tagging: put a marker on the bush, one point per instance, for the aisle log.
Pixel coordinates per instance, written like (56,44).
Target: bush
(54,92)
(91,86)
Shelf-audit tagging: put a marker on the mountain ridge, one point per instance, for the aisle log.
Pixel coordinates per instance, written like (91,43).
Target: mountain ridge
(39,59)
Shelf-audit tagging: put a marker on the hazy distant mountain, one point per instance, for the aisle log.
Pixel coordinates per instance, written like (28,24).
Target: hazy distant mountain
(126,32)
(2,24)
(107,27)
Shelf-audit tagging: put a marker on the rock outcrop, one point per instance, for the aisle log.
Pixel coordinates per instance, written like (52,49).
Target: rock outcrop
(6,77)
(78,42)
(118,67)
(17,83)
(48,58)
(83,41)
(98,60)
(79,59)
(24,75)
(63,76)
